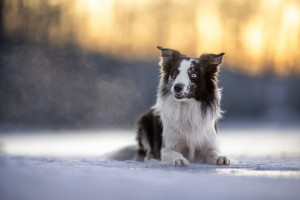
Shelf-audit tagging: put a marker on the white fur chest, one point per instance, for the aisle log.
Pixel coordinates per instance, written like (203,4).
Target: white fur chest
(186,128)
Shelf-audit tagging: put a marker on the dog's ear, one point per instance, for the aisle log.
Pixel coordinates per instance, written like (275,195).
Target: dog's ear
(167,55)
(212,61)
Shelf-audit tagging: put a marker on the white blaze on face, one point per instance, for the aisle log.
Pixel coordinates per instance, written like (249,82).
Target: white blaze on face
(183,76)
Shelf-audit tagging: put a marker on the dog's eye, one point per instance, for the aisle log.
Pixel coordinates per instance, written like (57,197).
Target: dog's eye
(174,74)
(194,75)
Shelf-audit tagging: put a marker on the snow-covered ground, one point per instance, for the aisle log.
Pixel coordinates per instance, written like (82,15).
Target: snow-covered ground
(52,178)
(70,165)
(255,142)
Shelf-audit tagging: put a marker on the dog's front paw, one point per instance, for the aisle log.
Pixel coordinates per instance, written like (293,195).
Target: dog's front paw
(218,160)
(181,162)
(221,160)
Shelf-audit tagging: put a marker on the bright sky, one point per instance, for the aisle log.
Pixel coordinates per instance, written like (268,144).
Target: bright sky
(262,35)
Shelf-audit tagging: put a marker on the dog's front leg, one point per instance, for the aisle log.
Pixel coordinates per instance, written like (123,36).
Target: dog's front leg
(175,149)
(173,157)
(213,157)
(211,151)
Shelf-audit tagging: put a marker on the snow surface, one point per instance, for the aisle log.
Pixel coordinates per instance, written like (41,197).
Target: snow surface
(36,178)
(255,142)
(68,166)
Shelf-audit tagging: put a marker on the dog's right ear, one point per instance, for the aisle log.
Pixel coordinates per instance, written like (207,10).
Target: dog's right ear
(167,55)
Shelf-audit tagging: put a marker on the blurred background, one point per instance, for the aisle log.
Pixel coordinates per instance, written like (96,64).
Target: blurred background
(81,65)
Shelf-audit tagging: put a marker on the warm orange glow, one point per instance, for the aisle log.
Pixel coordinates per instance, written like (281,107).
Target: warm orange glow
(209,29)
(291,15)
(253,38)
(256,36)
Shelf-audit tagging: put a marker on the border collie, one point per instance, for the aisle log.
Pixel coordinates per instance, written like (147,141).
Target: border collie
(182,126)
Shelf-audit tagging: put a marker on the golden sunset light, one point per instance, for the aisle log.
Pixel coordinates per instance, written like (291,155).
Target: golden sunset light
(257,36)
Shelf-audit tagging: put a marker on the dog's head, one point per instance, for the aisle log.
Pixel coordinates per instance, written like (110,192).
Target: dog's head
(186,77)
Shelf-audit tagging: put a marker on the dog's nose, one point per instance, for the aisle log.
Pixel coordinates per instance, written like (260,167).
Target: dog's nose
(178,87)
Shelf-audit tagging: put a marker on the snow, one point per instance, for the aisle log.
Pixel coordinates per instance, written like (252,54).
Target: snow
(63,166)
(53,178)
(252,142)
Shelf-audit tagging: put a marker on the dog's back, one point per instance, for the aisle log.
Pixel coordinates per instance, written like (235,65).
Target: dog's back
(149,136)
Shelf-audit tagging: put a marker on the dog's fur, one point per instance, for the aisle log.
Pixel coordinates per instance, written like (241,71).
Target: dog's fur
(182,126)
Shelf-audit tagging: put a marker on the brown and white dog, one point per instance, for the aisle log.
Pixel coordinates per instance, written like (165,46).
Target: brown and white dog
(182,126)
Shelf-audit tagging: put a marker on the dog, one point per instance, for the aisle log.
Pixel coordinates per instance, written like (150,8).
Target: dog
(182,126)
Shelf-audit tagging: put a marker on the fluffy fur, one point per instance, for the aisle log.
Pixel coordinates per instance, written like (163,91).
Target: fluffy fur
(182,126)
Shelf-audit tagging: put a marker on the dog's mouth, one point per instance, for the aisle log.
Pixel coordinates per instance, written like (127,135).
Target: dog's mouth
(180,96)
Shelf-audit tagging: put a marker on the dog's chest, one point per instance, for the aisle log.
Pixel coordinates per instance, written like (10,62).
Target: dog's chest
(187,129)
(196,139)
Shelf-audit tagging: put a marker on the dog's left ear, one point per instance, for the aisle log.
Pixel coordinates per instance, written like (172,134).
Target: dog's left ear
(212,61)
